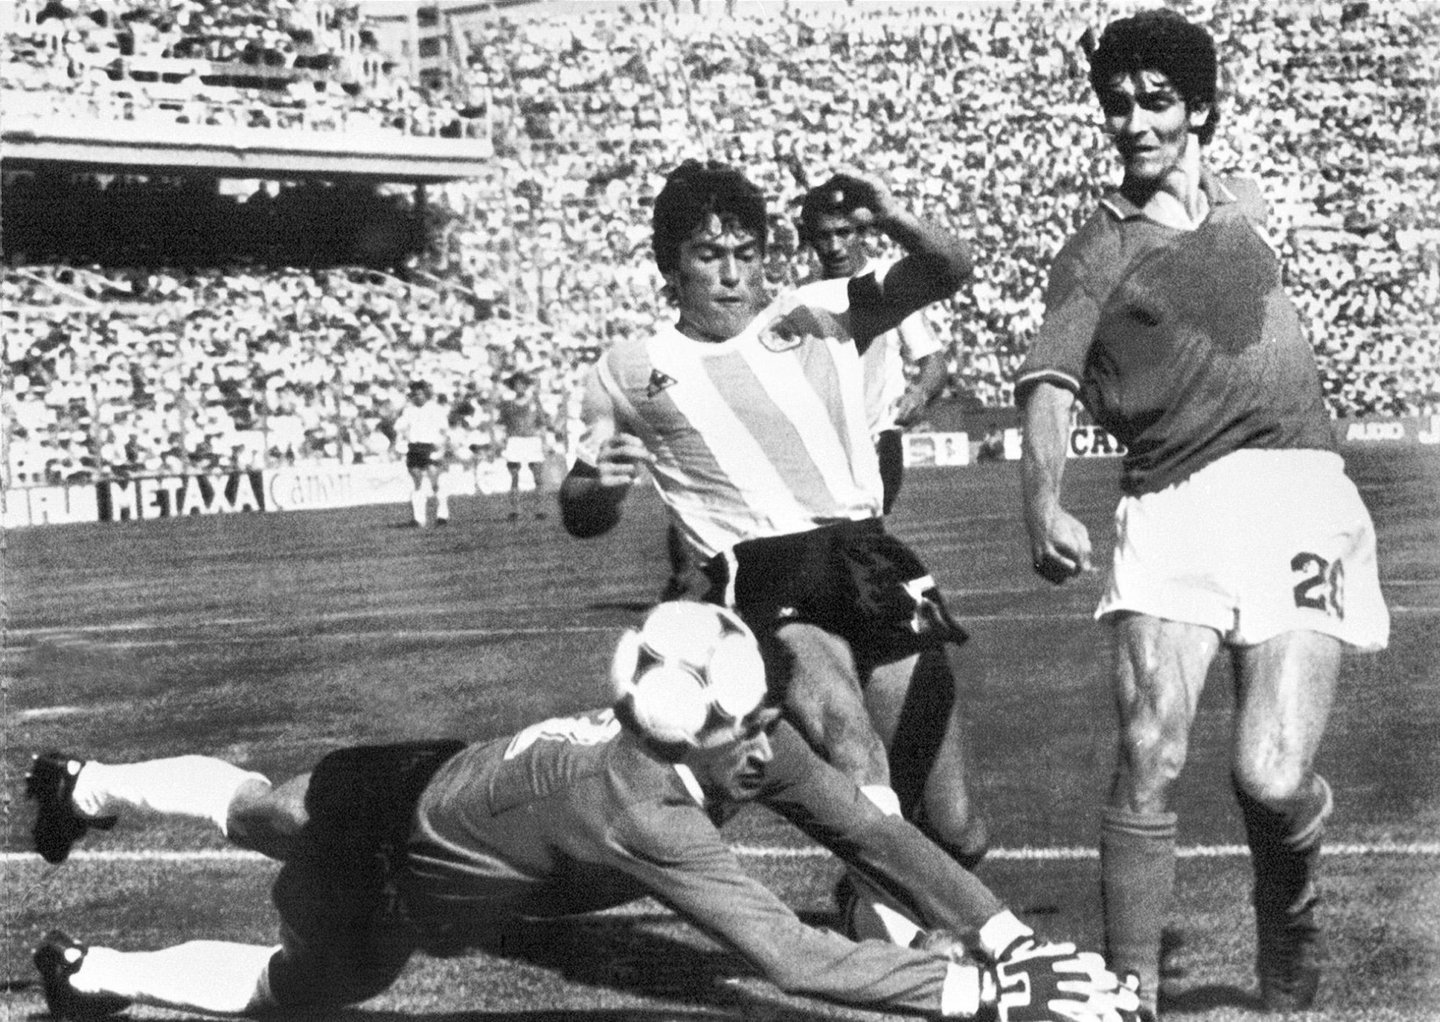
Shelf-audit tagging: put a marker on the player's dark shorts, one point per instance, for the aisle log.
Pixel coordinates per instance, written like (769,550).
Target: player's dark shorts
(344,933)
(852,579)
(421,456)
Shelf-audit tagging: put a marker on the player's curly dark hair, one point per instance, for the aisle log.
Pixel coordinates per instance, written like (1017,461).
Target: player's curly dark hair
(693,192)
(1162,40)
(832,198)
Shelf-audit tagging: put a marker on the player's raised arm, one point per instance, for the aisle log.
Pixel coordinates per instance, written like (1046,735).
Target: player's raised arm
(936,262)
(607,466)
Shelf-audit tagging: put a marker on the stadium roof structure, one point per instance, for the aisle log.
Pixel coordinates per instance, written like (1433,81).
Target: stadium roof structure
(128,147)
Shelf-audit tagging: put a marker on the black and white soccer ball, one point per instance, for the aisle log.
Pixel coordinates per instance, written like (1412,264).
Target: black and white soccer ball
(687,668)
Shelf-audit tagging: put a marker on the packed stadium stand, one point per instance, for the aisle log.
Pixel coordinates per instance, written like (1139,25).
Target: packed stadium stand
(170,325)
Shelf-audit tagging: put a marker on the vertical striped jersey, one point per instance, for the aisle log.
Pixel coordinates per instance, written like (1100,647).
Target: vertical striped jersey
(765,434)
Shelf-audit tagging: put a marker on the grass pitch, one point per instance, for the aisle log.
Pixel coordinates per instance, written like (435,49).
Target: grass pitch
(271,639)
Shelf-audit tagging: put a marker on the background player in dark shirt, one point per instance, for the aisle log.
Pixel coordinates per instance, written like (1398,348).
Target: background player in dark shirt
(1238,528)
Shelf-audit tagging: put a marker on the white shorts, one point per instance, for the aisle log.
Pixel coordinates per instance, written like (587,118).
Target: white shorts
(1254,545)
(524,450)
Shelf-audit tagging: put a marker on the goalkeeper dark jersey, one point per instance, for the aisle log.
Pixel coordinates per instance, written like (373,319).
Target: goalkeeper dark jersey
(574,815)
(1183,344)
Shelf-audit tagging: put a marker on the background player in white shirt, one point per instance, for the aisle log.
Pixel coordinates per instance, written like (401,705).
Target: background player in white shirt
(423,429)
(893,401)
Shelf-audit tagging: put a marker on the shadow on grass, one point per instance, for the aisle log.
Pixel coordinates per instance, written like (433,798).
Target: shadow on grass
(630,606)
(540,1015)
(617,959)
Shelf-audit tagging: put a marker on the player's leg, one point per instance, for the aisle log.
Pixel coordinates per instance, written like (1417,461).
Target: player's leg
(1285,688)
(1159,670)
(418,496)
(914,705)
(74,795)
(436,474)
(514,469)
(890,449)
(677,554)
(215,977)
(537,474)
(823,699)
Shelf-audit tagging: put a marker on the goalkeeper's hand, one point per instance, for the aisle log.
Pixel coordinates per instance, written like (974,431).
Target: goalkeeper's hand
(1044,982)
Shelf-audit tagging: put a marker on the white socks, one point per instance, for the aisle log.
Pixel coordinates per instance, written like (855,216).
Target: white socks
(203,975)
(194,787)
(418,499)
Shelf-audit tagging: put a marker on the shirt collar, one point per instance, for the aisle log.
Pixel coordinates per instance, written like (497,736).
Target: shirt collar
(687,777)
(1215,190)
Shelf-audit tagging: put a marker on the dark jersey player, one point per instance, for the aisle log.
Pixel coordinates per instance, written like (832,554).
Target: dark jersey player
(1238,529)
(441,846)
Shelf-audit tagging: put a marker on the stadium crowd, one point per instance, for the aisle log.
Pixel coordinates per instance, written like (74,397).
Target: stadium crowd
(978,115)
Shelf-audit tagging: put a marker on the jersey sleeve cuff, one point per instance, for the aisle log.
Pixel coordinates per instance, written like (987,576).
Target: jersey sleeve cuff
(960,991)
(1027,382)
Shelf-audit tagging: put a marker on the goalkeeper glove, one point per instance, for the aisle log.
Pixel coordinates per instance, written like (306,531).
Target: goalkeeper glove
(1034,981)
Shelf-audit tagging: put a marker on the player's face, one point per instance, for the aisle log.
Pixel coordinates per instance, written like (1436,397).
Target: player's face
(1149,124)
(719,283)
(838,244)
(732,762)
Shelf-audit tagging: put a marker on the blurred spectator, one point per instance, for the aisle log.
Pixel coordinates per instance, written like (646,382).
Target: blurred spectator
(539,264)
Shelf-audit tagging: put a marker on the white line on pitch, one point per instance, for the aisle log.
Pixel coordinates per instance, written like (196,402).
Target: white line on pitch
(1024,854)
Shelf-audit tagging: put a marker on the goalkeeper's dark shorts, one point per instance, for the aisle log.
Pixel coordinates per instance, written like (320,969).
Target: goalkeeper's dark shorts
(851,579)
(344,933)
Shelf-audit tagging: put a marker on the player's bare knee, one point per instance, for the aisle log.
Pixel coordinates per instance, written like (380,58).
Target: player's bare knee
(1279,786)
(267,819)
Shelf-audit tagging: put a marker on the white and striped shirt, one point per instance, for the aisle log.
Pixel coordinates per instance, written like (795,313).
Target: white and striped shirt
(765,434)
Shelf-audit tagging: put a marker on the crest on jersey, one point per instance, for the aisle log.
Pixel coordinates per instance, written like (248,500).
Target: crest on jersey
(658,382)
(795,328)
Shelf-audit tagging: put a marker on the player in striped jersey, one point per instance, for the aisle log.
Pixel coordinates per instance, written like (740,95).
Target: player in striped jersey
(750,416)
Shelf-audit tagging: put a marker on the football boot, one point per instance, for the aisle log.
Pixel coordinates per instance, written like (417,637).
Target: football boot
(58,957)
(51,783)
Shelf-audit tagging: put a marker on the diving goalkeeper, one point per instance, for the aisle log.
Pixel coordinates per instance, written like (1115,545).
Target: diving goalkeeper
(440,846)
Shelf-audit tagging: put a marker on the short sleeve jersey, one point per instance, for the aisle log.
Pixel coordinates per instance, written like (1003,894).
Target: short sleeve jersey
(1183,344)
(572,815)
(765,434)
(520,417)
(423,424)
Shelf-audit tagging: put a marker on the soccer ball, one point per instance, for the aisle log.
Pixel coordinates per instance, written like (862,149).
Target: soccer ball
(688,667)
